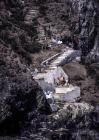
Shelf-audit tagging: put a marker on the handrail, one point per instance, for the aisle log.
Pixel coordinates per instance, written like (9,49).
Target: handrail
(45,62)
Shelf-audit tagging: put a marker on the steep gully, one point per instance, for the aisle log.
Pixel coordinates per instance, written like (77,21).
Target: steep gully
(69,115)
(65,122)
(73,121)
(51,72)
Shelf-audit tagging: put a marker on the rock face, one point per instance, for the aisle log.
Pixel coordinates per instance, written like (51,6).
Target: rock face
(19,94)
(86,28)
(73,111)
(76,118)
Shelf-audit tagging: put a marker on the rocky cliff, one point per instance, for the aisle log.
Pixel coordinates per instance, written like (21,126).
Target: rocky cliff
(23,26)
(86,28)
(19,93)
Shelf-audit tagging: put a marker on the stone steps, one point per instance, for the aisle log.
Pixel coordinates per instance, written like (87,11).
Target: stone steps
(66,93)
(39,76)
(52,67)
(30,15)
(60,59)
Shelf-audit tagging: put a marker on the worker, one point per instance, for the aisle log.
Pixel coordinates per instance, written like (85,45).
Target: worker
(61,80)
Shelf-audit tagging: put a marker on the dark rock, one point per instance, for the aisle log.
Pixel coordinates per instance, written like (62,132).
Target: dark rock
(19,94)
(94,68)
(85,28)
(75,71)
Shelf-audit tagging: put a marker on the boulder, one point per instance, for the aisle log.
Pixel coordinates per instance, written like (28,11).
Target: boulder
(75,71)
(76,109)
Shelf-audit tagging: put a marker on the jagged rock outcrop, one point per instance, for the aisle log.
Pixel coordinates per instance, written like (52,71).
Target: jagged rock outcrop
(19,93)
(73,110)
(79,119)
(86,28)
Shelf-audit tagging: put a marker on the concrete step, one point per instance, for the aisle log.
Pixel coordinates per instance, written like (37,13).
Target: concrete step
(39,76)
(28,15)
(62,89)
(52,67)
(59,60)
(32,12)
(48,70)
(28,22)
(67,93)
(64,54)
(61,57)
(54,63)
(28,18)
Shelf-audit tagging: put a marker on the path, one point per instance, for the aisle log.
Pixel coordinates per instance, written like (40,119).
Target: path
(52,70)
(31,14)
